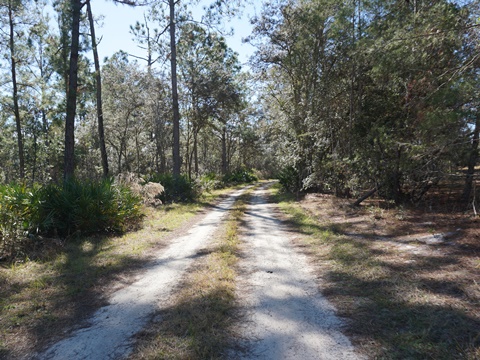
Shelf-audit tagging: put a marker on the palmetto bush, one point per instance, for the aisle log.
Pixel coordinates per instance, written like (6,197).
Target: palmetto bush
(240,176)
(18,216)
(74,207)
(88,207)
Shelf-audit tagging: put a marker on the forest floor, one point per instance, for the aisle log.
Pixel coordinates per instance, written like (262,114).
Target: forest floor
(398,282)
(407,279)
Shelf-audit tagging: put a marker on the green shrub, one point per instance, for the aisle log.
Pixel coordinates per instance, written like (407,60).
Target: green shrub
(88,207)
(19,217)
(62,210)
(288,178)
(177,189)
(209,182)
(239,176)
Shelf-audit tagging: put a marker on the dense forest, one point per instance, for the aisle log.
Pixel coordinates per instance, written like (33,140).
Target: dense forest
(341,96)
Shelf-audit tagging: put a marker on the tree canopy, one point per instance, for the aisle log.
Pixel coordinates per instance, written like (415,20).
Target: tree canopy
(343,96)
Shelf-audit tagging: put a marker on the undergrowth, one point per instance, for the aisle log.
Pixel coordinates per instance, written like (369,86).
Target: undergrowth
(27,214)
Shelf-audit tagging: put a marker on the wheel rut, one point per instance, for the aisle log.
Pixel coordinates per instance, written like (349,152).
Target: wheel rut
(286,316)
(109,332)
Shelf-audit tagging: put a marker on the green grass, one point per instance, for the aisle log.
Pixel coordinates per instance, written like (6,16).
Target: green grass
(392,310)
(198,323)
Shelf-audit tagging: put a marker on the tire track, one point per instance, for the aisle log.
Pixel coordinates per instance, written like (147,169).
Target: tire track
(109,332)
(286,315)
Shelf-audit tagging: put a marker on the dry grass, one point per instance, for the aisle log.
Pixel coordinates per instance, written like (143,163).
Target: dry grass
(42,298)
(407,292)
(197,324)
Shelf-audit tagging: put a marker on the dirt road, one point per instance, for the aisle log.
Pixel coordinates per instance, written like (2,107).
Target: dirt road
(287,317)
(109,332)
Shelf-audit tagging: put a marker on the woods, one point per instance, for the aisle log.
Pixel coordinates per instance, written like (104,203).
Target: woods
(365,111)
(341,97)
(371,94)
(76,86)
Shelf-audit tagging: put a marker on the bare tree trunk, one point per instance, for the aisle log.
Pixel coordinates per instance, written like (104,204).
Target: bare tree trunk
(195,152)
(16,110)
(472,161)
(188,155)
(98,81)
(69,165)
(176,111)
(224,150)
(365,196)
(35,156)
(160,151)
(119,169)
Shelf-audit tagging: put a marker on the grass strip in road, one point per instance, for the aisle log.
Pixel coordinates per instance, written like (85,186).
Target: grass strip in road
(399,305)
(197,325)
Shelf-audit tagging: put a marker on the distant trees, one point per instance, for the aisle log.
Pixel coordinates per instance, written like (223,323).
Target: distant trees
(348,96)
(210,77)
(367,93)
(51,88)
(27,93)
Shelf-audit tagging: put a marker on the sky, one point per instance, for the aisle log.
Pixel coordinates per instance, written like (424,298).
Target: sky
(114,29)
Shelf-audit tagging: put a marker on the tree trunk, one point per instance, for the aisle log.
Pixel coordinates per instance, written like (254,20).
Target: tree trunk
(195,152)
(224,150)
(365,196)
(188,155)
(119,168)
(160,150)
(98,81)
(137,150)
(35,156)
(68,169)
(16,110)
(472,161)
(176,111)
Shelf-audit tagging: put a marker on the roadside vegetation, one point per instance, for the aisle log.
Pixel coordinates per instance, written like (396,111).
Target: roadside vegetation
(59,267)
(197,324)
(406,280)
(31,216)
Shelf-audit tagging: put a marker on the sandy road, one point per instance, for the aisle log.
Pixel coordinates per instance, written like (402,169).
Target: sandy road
(286,316)
(110,330)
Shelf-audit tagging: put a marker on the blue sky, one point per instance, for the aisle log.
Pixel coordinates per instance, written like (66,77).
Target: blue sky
(118,18)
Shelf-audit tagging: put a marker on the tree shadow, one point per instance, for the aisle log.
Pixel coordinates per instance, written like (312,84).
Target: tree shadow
(400,304)
(198,327)
(403,330)
(74,287)
(409,313)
